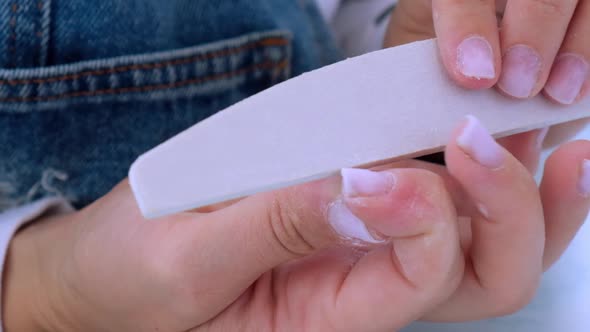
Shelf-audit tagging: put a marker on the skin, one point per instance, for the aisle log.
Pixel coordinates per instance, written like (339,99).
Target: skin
(552,28)
(273,262)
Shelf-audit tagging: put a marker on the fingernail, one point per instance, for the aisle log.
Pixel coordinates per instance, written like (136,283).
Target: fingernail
(347,225)
(476,142)
(522,66)
(475,58)
(365,183)
(568,76)
(541,136)
(358,183)
(483,210)
(584,182)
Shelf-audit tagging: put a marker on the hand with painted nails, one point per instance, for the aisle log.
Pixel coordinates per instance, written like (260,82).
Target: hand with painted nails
(367,250)
(525,47)
(511,229)
(521,47)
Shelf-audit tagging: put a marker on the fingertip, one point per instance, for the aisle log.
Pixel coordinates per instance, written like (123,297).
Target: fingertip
(549,97)
(474,141)
(471,83)
(475,63)
(468,38)
(522,72)
(487,171)
(469,68)
(417,201)
(557,95)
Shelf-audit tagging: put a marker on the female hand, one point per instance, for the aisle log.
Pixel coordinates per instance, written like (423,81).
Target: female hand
(522,47)
(296,259)
(524,243)
(369,251)
(525,46)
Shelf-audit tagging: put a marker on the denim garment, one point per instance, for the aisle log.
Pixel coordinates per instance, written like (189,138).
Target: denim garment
(87,86)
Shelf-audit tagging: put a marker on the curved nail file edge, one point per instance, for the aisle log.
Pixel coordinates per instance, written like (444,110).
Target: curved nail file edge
(386,105)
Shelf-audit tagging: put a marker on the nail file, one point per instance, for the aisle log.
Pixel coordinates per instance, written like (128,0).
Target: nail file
(383,106)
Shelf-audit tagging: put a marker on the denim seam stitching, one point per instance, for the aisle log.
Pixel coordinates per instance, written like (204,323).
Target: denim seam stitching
(273,41)
(281,65)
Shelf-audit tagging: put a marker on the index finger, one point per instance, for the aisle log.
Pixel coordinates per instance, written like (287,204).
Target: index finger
(508,232)
(467,33)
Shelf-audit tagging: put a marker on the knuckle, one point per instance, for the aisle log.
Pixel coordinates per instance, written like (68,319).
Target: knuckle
(287,226)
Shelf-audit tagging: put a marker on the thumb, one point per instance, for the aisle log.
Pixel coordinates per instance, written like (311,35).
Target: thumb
(227,250)
(260,232)
(238,244)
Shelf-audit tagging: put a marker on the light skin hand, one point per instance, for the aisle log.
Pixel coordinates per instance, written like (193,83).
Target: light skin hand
(521,47)
(295,259)
(365,250)
(511,231)
(525,46)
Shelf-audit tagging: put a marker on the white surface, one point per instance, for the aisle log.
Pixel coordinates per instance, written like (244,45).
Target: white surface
(393,103)
(563,301)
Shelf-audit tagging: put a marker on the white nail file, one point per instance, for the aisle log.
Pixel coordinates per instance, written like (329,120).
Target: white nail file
(387,105)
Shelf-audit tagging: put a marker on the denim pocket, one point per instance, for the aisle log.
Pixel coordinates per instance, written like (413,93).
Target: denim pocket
(262,59)
(73,130)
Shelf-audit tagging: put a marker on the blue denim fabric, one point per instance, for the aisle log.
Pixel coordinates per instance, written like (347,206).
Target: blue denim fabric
(87,86)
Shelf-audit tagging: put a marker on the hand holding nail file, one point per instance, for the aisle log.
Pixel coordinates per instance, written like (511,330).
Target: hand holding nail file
(387,105)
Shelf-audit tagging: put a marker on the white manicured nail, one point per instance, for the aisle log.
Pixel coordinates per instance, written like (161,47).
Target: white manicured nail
(476,142)
(475,58)
(347,225)
(522,66)
(365,183)
(568,76)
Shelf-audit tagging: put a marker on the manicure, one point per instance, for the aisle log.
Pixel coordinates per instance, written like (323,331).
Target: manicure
(477,143)
(568,76)
(475,58)
(365,183)
(347,225)
(522,66)
(358,183)
(584,182)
